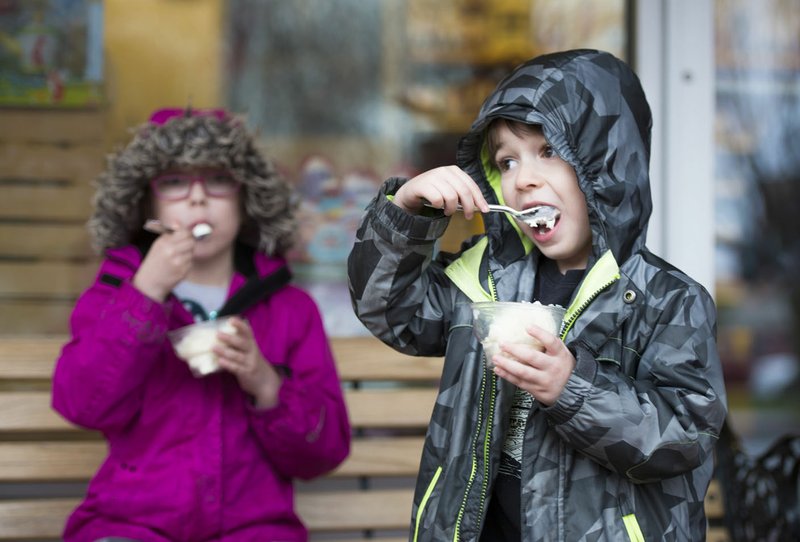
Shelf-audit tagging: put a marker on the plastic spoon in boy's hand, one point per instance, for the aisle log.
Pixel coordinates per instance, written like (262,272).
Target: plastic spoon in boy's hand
(541,216)
(199,231)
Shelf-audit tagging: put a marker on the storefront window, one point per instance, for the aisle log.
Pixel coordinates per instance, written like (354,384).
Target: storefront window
(758,213)
(346,93)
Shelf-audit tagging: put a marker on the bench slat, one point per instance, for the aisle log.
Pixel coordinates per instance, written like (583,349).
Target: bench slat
(34,519)
(29,411)
(369,359)
(54,126)
(78,461)
(395,408)
(714,505)
(29,357)
(51,241)
(32,317)
(382,456)
(80,163)
(45,279)
(384,509)
(43,201)
(329,511)
(362,358)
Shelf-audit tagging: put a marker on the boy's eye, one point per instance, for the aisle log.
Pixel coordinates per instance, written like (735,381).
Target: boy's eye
(504,164)
(548,152)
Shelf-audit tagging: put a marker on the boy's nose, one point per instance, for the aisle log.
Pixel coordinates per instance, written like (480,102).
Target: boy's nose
(529,177)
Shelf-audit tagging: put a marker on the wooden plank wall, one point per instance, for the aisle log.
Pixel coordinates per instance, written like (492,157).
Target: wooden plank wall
(48,160)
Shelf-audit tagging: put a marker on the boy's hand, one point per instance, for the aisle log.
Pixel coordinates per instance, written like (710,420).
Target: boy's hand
(167,263)
(445,188)
(239,354)
(541,372)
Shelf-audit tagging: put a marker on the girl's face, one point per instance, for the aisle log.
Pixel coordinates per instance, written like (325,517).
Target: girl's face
(187,197)
(533,174)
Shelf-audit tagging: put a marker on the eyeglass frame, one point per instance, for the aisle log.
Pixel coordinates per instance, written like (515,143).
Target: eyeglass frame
(200,176)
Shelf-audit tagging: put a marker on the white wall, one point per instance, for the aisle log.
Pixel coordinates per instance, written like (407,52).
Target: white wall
(675,61)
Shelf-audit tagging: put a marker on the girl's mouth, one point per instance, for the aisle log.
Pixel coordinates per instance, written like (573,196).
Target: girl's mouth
(201,230)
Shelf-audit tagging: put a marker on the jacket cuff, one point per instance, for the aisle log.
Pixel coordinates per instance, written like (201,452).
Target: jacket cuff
(422,228)
(578,387)
(147,320)
(283,417)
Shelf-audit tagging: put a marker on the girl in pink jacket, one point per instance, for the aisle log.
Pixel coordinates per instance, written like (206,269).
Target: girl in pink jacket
(211,456)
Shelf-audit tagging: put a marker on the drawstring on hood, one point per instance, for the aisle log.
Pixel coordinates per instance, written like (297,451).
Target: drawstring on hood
(189,139)
(591,107)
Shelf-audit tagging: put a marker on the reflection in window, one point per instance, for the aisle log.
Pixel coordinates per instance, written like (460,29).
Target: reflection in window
(758,212)
(346,93)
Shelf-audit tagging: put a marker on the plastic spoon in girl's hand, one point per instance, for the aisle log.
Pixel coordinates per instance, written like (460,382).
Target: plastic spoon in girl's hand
(199,231)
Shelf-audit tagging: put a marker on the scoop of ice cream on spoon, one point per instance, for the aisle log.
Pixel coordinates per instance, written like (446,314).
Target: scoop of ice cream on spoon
(199,231)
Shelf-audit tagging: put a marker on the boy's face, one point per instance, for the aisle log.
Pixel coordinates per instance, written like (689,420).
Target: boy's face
(200,195)
(533,174)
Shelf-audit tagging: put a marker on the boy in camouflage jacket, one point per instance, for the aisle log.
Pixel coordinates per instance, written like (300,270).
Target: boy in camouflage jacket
(617,416)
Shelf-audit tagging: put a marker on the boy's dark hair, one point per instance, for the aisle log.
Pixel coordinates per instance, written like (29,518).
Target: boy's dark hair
(517,128)
(188,140)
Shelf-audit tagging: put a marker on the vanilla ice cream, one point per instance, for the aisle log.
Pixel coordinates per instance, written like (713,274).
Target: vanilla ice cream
(199,231)
(194,344)
(497,323)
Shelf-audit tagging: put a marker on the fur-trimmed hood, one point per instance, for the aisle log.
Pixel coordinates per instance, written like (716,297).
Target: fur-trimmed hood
(192,139)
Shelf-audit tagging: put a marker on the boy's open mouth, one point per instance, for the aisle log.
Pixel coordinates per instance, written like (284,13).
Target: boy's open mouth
(544,218)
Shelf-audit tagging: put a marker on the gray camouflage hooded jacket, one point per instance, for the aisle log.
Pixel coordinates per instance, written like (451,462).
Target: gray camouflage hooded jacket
(626,451)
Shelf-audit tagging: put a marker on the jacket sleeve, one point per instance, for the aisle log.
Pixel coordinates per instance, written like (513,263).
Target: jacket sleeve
(117,336)
(664,419)
(397,284)
(308,432)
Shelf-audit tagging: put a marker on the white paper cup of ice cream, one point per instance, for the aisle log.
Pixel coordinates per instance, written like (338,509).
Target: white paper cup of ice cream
(505,322)
(194,344)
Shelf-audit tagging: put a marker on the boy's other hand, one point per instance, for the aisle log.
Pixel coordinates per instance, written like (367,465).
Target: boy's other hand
(541,372)
(167,263)
(445,188)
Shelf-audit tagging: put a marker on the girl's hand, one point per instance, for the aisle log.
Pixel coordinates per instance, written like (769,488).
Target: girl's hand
(444,188)
(167,263)
(239,354)
(541,372)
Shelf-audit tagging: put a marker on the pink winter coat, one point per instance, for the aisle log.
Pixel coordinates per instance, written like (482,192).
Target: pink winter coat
(189,458)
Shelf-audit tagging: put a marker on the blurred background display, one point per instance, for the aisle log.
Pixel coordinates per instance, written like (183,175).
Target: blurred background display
(51,52)
(345,93)
(757,163)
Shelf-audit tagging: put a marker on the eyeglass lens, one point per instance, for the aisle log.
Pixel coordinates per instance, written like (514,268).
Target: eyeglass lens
(175,186)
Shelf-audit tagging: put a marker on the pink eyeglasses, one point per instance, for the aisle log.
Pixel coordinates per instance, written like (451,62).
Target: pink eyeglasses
(177,186)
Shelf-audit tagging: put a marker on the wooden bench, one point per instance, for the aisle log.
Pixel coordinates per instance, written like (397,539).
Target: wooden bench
(389,397)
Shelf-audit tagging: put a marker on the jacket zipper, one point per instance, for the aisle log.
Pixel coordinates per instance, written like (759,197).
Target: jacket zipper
(487,438)
(486,443)
(568,323)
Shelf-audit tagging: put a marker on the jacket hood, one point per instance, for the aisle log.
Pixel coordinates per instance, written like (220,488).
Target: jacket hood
(594,114)
(193,139)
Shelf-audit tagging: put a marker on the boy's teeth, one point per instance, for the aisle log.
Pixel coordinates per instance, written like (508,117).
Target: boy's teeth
(546,223)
